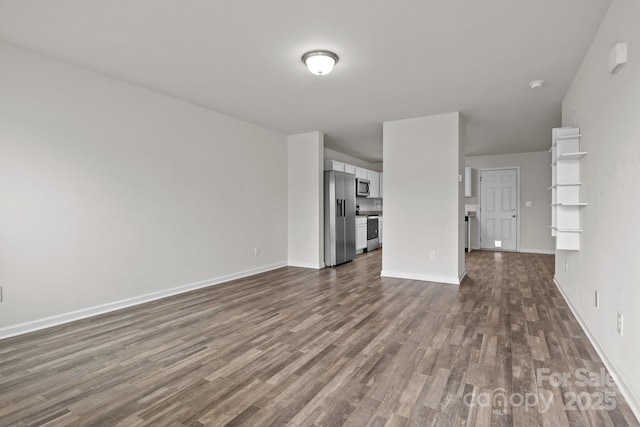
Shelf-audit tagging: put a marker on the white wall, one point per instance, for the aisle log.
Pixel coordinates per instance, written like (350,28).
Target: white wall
(422,205)
(306,215)
(109,192)
(535,180)
(345,158)
(606,108)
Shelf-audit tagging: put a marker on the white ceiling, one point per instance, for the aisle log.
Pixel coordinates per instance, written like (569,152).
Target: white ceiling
(398,59)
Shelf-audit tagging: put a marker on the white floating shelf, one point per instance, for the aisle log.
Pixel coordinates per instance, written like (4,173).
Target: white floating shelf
(565,186)
(566,230)
(572,156)
(565,137)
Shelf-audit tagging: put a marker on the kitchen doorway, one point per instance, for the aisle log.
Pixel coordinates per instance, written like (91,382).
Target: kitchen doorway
(499,222)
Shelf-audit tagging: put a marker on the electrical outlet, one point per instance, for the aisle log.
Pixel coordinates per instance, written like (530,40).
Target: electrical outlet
(256,250)
(597,301)
(620,324)
(566,267)
(432,255)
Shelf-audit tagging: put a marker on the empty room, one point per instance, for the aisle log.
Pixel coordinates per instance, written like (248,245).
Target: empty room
(294,213)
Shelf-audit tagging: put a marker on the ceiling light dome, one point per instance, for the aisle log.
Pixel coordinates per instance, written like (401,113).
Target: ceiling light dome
(320,62)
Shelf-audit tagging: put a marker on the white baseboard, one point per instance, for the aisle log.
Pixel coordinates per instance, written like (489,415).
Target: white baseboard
(538,251)
(305,265)
(451,280)
(525,250)
(47,322)
(630,397)
(462,276)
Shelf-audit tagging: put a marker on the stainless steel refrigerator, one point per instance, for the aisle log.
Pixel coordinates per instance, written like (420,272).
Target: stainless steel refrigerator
(339,217)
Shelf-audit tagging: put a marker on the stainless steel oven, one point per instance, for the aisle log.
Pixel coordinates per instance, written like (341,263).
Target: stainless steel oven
(373,241)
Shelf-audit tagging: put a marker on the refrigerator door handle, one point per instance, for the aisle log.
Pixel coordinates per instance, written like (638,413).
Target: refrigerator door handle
(339,207)
(344,207)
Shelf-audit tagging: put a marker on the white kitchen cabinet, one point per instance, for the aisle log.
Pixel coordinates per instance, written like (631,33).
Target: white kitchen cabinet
(374,178)
(361,233)
(332,165)
(468,182)
(380,230)
(565,188)
(350,169)
(374,188)
(361,173)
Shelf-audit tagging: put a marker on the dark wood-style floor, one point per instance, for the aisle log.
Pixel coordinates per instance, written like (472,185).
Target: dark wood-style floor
(333,347)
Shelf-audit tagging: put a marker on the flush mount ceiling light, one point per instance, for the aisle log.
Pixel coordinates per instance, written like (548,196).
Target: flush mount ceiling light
(536,84)
(320,62)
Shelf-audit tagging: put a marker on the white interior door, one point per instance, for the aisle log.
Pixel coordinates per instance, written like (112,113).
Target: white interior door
(499,209)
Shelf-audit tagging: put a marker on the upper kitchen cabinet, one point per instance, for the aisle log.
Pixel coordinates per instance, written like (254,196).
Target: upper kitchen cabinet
(361,173)
(332,165)
(350,169)
(374,188)
(374,178)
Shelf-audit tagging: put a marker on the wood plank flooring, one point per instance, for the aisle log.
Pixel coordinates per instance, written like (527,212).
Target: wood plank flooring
(327,348)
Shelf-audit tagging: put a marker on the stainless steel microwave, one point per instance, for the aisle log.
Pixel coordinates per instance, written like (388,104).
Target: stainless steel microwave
(362,187)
